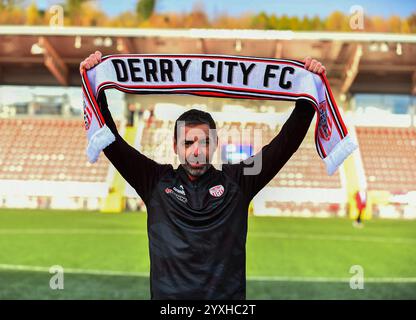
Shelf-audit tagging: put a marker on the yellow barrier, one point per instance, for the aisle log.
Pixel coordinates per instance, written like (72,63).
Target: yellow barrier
(115,202)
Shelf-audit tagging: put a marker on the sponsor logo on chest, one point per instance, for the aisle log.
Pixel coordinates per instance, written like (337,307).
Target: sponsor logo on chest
(179,193)
(179,190)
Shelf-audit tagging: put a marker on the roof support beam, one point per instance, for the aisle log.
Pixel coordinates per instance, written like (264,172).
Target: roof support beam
(54,62)
(334,50)
(278,50)
(201,45)
(331,53)
(413,92)
(351,69)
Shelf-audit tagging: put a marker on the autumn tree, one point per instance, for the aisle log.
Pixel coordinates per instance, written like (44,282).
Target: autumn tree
(11,12)
(124,20)
(10,4)
(412,22)
(73,11)
(273,22)
(32,14)
(260,21)
(197,18)
(395,24)
(145,9)
(294,23)
(316,23)
(337,21)
(92,15)
(284,22)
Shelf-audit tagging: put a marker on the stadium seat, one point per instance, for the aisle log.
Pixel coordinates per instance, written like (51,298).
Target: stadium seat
(388,156)
(47,149)
(304,169)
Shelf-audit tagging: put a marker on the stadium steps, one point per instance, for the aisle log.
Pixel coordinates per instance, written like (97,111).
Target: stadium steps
(115,201)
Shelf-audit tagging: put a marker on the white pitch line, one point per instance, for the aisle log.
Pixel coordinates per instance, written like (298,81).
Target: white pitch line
(329,279)
(17,267)
(71,232)
(14,267)
(277,235)
(329,237)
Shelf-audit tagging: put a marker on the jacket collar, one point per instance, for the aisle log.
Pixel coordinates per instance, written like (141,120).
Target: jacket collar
(200,180)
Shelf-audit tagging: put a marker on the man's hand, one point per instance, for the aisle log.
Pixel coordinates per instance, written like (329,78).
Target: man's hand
(90,62)
(314,66)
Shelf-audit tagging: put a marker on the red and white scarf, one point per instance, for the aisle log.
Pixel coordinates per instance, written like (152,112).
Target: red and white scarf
(217,76)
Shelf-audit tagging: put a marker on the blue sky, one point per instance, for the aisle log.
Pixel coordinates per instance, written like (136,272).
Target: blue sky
(322,8)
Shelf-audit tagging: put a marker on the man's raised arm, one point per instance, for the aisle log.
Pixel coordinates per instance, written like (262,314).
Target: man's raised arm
(255,172)
(272,157)
(138,170)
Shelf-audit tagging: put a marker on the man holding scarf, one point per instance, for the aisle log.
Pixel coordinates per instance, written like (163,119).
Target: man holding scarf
(197,215)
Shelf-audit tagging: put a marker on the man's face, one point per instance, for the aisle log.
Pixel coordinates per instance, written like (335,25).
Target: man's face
(195,146)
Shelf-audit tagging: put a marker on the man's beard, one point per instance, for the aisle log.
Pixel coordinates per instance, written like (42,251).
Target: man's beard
(195,172)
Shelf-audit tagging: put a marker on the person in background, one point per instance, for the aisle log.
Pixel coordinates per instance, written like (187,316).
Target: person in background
(361,202)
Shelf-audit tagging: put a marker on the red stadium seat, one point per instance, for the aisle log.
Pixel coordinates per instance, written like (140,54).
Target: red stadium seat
(388,156)
(46,148)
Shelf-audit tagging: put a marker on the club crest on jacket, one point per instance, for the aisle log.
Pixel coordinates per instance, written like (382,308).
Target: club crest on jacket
(216,191)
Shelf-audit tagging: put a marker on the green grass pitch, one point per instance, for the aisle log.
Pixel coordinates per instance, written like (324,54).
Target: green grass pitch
(105,256)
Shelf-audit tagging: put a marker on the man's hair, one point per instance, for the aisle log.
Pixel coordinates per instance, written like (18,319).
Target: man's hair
(195,117)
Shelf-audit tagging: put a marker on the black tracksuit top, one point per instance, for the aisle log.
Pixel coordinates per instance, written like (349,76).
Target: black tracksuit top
(197,229)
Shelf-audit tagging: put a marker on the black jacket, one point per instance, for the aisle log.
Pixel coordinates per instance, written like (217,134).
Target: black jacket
(197,230)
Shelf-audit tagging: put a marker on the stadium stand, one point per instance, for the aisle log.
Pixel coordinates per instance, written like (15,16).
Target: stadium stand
(372,76)
(305,171)
(388,156)
(26,151)
(156,141)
